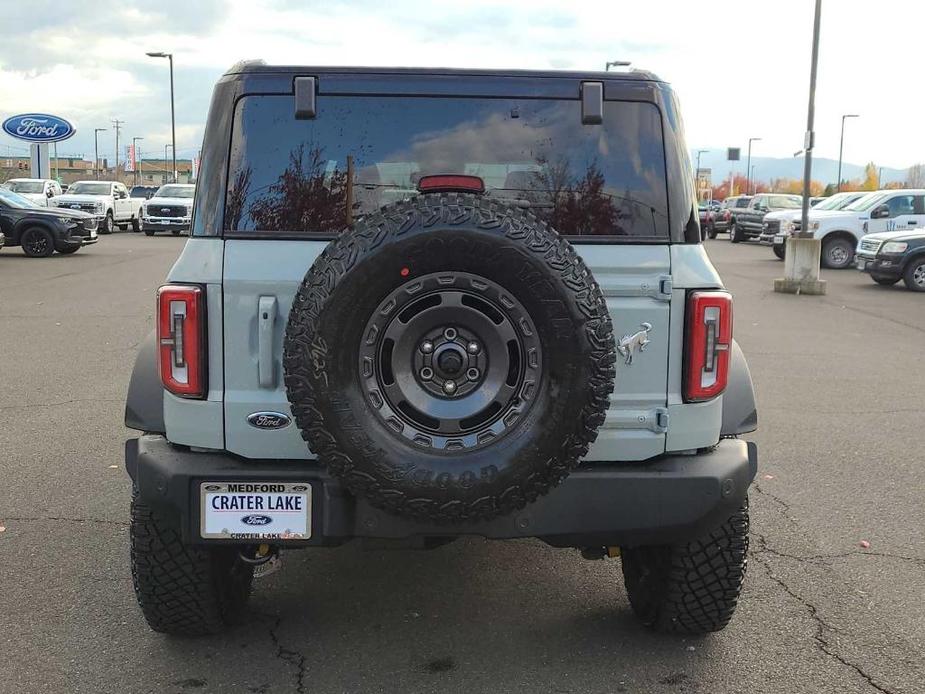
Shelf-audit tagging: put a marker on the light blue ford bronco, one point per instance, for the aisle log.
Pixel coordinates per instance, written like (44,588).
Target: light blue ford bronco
(423,304)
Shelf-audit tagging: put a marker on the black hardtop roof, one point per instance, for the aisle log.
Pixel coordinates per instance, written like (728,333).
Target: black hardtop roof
(258,66)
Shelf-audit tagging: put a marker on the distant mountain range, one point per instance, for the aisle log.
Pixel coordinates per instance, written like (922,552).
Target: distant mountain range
(766,168)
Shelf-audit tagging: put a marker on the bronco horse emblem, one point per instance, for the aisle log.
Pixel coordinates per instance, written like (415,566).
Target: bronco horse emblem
(629,343)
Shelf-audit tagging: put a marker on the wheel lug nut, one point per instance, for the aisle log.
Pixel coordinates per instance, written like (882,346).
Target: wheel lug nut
(473,348)
(450,333)
(427,346)
(449,387)
(427,373)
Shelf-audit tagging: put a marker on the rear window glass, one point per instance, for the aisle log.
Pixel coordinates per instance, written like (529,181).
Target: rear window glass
(289,175)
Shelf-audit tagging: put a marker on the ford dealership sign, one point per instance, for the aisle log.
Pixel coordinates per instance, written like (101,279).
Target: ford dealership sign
(38,127)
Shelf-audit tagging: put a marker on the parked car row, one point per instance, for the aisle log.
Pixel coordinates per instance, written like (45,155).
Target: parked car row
(880,232)
(42,220)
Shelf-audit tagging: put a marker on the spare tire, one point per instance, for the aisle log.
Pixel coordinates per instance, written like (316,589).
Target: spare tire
(449,358)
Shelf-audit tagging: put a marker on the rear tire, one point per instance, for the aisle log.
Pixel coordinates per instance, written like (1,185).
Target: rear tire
(711,233)
(914,276)
(136,223)
(183,589)
(108,224)
(690,588)
(37,242)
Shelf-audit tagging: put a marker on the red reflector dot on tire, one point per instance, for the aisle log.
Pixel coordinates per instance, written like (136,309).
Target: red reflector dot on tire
(404,272)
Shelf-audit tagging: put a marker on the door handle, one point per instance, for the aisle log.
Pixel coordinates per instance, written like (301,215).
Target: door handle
(266,322)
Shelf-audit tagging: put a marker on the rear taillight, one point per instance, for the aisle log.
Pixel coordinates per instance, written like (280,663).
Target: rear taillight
(181,339)
(709,340)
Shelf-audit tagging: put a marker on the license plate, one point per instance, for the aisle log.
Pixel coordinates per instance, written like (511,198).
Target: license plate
(255,511)
(779,239)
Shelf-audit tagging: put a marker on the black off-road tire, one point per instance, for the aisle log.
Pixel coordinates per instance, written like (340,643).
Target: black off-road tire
(884,281)
(422,238)
(691,588)
(182,589)
(780,252)
(37,242)
(735,234)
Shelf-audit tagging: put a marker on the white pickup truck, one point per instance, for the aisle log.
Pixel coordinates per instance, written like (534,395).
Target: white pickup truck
(41,191)
(841,230)
(108,199)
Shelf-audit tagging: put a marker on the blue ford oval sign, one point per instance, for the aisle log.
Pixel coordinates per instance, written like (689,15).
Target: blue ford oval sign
(38,127)
(256,520)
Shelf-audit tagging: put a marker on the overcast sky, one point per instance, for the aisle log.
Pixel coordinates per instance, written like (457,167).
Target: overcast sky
(741,68)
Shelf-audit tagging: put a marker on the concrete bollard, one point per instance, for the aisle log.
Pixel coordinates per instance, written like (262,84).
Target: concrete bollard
(801,268)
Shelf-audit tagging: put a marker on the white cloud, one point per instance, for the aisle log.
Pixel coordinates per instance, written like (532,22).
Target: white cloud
(740,69)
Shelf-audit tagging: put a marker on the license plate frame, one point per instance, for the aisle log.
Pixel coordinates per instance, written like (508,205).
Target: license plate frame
(779,240)
(258,512)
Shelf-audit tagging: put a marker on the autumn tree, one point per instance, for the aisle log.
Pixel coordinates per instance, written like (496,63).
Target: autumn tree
(915,176)
(871,177)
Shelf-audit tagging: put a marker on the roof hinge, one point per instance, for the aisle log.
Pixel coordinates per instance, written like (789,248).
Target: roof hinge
(304,98)
(592,103)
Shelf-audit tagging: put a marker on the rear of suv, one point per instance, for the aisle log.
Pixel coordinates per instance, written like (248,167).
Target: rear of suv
(423,304)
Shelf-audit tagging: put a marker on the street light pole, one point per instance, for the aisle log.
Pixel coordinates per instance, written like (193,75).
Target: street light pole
(841,145)
(615,63)
(748,165)
(751,178)
(135,166)
(96,152)
(173,123)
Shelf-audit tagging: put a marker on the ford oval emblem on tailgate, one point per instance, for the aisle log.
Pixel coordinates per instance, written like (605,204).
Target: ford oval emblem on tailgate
(268,420)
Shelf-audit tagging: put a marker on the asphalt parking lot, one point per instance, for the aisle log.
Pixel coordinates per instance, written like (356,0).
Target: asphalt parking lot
(839,381)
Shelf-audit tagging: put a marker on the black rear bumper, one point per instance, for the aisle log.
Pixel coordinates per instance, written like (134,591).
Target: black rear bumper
(662,501)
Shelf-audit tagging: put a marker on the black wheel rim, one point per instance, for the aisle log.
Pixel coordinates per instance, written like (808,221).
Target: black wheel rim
(450,361)
(36,243)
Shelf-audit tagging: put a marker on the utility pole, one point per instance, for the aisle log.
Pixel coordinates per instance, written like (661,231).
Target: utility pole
(803,251)
(96,151)
(166,178)
(117,126)
(748,165)
(841,145)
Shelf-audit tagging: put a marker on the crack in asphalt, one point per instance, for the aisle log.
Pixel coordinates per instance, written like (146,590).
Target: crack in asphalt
(61,519)
(288,655)
(821,628)
(785,512)
(825,558)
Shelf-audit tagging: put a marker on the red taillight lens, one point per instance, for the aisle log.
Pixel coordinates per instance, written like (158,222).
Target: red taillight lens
(445,183)
(709,339)
(181,340)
